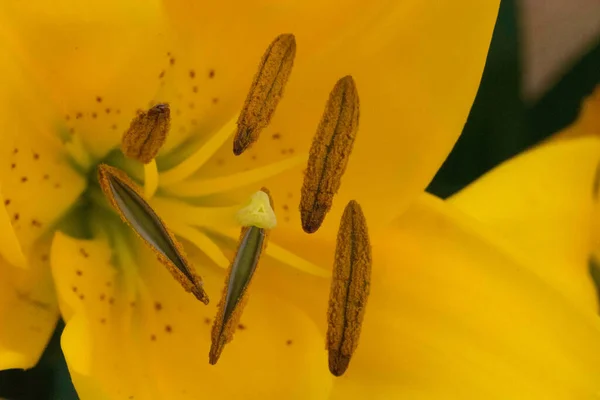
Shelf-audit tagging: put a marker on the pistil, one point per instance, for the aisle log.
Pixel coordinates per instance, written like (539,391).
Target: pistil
(258,219)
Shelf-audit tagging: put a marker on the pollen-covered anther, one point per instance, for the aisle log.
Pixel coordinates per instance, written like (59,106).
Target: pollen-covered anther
(253,242)
(266,91)
(125,197)
(349,288)
(329,154)
(147,133)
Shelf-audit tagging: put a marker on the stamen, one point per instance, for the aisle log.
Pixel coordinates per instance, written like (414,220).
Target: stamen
(193,163)
(253,241)
(349,288)
(329,154)
(150,179)
(205,187)
(147,133)
(126,199)
(266,91)
(285,256)
(203,242)
(180,211)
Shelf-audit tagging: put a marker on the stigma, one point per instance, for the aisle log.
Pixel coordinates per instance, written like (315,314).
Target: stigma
(258,212)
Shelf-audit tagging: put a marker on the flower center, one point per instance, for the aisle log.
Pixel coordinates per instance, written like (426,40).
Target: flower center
(165,199)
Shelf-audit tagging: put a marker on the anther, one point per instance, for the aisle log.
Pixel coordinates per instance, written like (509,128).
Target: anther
(253,242)
(147,133)
(126,199)
(329,154)
(349,288)
(266,91)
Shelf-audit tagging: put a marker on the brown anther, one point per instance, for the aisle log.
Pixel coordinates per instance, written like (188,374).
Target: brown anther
(266,91)
(349,288)
(126,198)
(147,133)
(253,242)
(329,154)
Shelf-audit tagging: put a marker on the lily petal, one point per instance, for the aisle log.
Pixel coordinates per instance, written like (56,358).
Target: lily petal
(152,340)
(28,310)
(11,250)
(35,170)
(35,173)
(97,313)
(452,316)
(412,110)
(541,204)
(97,61)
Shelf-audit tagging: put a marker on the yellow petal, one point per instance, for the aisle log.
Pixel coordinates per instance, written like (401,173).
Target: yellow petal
(38,182)
(451,316)
(541,204)
(153,340)
(38,185)
(74,342)
(416,71)
(28,310)
(95,301)
(98,62)
(11,249)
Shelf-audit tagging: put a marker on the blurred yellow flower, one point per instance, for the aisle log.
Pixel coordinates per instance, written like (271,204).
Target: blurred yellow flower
(460,306)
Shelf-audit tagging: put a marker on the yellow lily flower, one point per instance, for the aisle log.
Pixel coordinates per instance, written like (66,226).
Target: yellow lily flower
(449,323)
(132,332)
